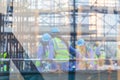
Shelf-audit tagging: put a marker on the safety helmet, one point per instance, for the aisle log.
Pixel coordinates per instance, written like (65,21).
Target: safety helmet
(46,37)
(80,42)
(96,44)
(55,30)
(102,49)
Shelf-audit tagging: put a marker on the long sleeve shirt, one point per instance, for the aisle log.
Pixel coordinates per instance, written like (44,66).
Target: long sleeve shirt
(42,50)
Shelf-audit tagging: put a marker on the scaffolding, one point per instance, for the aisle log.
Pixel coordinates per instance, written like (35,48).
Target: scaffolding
(92,20)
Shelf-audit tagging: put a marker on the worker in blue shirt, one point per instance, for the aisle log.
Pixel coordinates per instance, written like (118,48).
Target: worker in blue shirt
(92,58)
(81,54)
(44,53)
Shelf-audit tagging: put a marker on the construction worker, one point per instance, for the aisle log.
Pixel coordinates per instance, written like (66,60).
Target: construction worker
(74,54)
(102,57)
(5,55)
(60,51)
(44,53)
(3,64)
(92,57)
(96,50)
(93,53)
(81,52)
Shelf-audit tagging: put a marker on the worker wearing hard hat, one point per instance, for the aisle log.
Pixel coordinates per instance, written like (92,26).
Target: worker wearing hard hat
(60,50)
(96,50)
(91,58)
(100,55)
(81,51)
(102,58)
(44,53)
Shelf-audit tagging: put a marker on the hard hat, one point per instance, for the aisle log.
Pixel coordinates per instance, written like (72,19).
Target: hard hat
(80,42)
(97,43)
(102,49)
(55,30)
(46,37)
